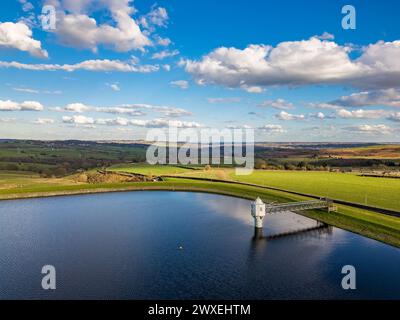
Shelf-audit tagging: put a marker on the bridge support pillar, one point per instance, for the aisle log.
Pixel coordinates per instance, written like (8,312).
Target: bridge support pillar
(258,212)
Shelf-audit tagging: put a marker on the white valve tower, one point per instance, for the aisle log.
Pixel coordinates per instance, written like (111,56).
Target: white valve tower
(258,212)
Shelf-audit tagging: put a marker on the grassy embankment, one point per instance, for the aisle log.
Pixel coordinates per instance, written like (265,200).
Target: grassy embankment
(371,191)
(384,228)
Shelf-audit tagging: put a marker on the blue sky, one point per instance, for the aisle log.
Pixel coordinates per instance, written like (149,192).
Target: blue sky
(112,69)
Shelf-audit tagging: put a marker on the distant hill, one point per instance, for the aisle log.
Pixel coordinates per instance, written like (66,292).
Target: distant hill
(372,152)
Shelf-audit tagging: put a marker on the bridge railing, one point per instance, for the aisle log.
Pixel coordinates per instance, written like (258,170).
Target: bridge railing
(299,206)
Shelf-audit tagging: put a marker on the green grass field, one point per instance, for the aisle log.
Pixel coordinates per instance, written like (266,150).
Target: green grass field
(377,192)
(13,182)
(150,170)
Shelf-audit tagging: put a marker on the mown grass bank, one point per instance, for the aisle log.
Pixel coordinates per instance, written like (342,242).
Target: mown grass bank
(373,225)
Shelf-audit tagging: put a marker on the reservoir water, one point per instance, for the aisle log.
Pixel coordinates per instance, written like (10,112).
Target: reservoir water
(181,245)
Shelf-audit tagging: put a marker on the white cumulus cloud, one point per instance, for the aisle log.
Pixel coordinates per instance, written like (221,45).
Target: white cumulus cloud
(19,36)
(318,115)
(157,17)
(360,114)
(294,63)
(77,29)
(78,120)
(9,105)
(77,107)
(283,115)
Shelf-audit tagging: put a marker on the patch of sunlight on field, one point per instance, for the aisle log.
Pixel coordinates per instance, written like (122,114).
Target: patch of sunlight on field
(213,173)
(14,180)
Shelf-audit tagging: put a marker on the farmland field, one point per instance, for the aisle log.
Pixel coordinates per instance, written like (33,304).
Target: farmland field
(378,192)
(150,170)
(369,152)
(16,181)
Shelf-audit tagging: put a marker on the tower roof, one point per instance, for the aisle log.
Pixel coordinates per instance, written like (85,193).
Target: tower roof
(259,201)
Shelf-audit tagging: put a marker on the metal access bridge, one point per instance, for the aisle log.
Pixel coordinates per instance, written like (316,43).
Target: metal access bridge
(301,206)
(259,209)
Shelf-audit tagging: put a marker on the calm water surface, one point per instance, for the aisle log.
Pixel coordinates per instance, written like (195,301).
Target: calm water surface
(125,246)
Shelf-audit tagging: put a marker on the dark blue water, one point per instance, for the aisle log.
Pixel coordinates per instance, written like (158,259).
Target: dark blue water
(126,246)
